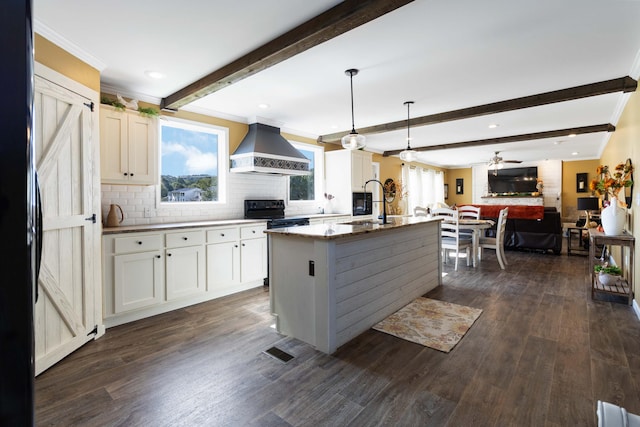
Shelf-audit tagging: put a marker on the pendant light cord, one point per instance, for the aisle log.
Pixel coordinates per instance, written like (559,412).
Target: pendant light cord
(353,125)
(408,103)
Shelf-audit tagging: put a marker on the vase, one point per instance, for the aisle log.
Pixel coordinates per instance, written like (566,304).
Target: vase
(613,218)
(608,279)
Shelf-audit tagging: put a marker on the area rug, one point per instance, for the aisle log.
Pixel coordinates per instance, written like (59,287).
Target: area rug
(432,323)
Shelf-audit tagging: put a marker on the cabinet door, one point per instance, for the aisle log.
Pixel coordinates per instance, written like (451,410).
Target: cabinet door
(223,265)
(137,280)
(253,259)
(361,170)
(142,151)
(113,146)
(185,271)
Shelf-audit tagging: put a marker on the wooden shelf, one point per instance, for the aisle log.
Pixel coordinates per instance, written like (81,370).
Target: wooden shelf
(624,286)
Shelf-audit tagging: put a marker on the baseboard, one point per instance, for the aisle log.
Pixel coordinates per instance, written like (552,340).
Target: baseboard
(636,308)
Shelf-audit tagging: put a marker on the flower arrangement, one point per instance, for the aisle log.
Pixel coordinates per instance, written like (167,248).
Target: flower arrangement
(611,183)
(329,196)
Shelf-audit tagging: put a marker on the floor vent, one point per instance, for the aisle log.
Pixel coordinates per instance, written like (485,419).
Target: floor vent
(276,353)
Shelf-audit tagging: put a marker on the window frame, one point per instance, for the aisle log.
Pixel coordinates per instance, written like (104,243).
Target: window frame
(318,170)
(223,160)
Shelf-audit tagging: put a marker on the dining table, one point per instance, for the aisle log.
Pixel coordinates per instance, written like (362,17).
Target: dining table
(476,226)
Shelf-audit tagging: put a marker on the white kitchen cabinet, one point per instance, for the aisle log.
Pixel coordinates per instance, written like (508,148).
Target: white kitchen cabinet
(346,172)
(185,264)
(236,258)
(128,147)
(137,269)
(223,259)
(253,253)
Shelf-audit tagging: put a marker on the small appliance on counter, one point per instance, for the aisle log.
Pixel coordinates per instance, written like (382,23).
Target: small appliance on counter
(362,204)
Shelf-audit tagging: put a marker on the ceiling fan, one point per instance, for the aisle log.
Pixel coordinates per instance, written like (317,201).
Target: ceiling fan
(497,162)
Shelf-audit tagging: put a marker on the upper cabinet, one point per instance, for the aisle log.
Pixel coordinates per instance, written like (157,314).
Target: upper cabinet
(128,147)
(346,172)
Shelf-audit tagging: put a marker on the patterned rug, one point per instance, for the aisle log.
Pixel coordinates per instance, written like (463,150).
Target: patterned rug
(432,323)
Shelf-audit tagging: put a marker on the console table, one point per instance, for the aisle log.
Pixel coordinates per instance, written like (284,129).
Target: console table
(624,286)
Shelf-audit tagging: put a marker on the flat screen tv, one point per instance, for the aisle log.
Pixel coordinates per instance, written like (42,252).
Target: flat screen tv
(513,180)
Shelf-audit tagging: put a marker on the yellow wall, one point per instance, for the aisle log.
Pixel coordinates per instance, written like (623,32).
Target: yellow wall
(569,192)
(466,197)
(623,145)
(63,62)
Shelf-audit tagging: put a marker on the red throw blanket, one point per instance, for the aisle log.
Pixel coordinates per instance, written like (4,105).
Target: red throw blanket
(515,211)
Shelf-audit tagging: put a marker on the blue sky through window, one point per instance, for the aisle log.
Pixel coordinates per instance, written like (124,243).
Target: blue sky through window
(188,152)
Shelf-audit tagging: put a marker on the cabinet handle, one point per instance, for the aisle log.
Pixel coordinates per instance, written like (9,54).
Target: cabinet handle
(130,174)
(158,256)
(243,244)
(253,231)
(168,254)
(139,242)
(126,174)
(222,234)
(185,238)
(235,246)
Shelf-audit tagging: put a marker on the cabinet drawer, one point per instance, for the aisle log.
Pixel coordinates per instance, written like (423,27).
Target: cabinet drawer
(137,243)
(185,238)
(219,235)
(253,232)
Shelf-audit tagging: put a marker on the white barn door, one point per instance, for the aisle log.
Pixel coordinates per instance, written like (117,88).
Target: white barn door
(67,313)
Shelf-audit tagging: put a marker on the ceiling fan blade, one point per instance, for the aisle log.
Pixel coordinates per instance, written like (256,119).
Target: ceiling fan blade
(512,161)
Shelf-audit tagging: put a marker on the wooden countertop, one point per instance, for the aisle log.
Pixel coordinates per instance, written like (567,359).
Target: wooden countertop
(353,228)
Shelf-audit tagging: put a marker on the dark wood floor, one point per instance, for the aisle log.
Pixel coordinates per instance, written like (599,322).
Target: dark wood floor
(541,354)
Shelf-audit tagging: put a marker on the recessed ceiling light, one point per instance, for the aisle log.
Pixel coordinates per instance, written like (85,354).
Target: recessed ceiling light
(154,74)
(575,153)
(571,135)
(493,125)
(263,106)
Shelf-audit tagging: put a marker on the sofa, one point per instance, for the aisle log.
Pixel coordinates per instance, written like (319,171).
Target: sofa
(535,228)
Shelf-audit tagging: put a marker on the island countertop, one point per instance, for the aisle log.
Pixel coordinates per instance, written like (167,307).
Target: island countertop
(352,228)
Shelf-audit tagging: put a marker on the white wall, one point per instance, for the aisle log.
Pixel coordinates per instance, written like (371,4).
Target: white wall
(135,198)
(549,170)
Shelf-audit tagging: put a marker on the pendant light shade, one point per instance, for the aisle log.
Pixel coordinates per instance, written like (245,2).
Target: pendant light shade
(352,141)
(408,155)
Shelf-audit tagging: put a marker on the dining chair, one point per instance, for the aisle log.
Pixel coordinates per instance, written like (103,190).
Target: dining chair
(469,212)
(452,239)
(496,243)
(420,211)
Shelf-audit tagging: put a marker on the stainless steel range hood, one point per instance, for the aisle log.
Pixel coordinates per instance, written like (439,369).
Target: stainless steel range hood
(264,150)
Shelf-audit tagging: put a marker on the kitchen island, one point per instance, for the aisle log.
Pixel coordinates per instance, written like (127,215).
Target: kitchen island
(331,282)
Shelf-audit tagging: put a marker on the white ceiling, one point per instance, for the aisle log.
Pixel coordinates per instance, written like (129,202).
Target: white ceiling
(442,54)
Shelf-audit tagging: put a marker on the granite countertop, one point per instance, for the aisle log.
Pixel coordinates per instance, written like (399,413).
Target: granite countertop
(353,228)
(195,224)
(178,225)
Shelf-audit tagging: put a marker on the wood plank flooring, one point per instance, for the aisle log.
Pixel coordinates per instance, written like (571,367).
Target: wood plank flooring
(541,354)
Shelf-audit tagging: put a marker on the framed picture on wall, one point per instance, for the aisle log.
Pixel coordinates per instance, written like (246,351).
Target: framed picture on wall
(459,186)
(581,183)
(446,191)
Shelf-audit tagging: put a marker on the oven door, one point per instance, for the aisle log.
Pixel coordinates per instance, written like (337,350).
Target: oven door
(362,204)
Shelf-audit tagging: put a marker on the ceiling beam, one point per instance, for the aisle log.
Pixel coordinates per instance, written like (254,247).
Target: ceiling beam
(622,84)
(338,20)
(513,138)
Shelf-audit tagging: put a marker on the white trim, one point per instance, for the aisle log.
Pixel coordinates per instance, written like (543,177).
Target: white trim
(634,72)
(54,37)
(636,308)
(64,81)
(113,90)
(212,113)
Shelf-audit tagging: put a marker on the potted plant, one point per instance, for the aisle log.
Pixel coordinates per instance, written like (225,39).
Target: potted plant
(607,274)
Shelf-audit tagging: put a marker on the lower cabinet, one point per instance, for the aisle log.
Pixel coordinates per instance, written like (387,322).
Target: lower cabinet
(145,274)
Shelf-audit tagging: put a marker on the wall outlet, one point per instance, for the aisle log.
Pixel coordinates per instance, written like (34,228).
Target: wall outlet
(148,212)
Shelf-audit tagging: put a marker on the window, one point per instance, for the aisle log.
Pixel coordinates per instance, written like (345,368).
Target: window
(426,186)
(308,187)
(190,155)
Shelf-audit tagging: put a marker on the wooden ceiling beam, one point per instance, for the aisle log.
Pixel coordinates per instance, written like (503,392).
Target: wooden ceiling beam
(608,127)
(622,84)
(338,20)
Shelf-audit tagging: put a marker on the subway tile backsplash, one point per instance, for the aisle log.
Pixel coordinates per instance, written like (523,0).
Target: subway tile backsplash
(135,200)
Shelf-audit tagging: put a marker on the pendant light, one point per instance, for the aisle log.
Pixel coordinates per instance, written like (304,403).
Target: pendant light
(352,141)
(408,155)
